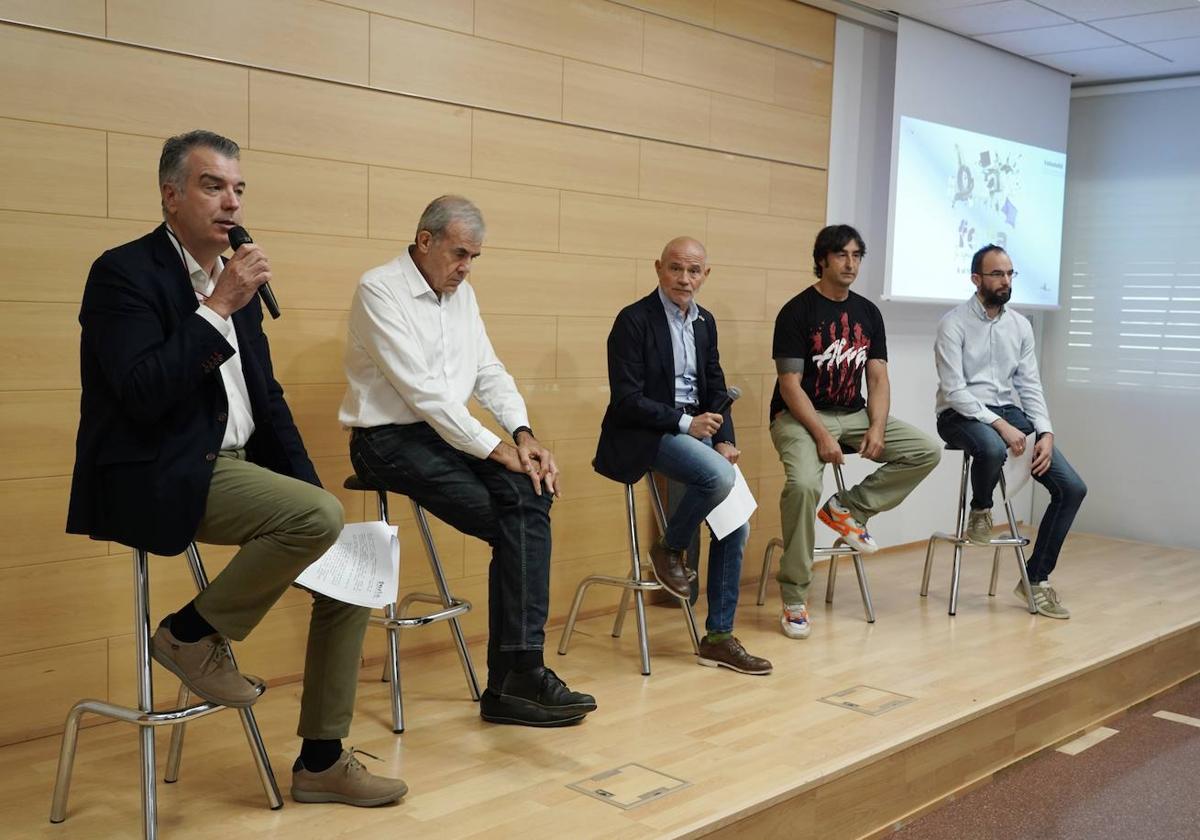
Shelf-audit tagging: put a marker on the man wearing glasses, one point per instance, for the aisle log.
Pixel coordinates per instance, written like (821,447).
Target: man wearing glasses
(985,357)
(826,338)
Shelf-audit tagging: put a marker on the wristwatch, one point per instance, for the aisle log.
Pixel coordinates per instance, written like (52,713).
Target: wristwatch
(520,429)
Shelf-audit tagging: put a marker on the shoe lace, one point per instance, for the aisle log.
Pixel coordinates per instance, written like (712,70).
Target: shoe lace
(353,765)
(218,656)
(799,613)
(1050,594)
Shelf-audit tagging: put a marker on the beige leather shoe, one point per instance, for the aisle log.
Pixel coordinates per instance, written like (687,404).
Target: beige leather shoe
(347,781)
(205,667)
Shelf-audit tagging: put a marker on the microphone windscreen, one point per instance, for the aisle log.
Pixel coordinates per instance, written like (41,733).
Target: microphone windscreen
(238,236)
(734,392)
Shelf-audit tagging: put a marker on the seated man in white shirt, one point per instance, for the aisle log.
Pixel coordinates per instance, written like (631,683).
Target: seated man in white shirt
(416,352)
(985,358)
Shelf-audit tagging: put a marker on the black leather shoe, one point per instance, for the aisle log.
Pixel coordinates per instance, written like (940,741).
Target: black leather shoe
(535,698)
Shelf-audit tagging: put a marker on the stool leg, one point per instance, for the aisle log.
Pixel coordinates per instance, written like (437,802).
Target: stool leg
(1017,549)
(622,608)
(392,671)
(258,750)
(439,577)
(831,578)
(689,615)
(766,569)
(175,753)
(145,690)
(958,533)
(635,572)
(928,567)
(66,763)
(995,572)
(863,589)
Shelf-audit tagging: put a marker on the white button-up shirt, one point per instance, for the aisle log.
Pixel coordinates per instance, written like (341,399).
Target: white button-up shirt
(984,361)
(411,357)
(240,424)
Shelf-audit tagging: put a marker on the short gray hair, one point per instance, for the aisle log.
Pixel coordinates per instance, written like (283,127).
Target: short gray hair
(172,164)
(445,210)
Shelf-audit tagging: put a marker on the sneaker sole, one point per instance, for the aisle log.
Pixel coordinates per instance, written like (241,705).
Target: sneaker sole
(545,724)
(316,797)
(716,663)
(170,665)
(792,634)
(847,535)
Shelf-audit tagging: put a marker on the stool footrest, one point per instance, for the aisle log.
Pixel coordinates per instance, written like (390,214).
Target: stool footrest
(997,542)
(456,608)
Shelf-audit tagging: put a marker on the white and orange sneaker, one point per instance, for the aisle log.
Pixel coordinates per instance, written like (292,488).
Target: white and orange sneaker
(848,528)
(794,621)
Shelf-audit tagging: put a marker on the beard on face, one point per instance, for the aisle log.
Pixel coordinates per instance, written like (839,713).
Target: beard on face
(998,297)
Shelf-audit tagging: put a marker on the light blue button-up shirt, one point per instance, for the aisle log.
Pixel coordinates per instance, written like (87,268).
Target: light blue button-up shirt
(984,361)
(683,349)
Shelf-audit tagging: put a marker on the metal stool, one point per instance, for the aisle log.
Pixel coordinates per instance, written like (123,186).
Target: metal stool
(146,718)
(394,619)
(839,548)
(1014,541)
(636,582)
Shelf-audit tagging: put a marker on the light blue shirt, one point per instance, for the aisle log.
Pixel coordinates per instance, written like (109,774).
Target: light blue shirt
(984,361)
(683,350)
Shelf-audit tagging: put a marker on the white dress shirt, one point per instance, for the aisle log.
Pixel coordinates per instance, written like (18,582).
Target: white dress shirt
(411,357)
(682,327)
(984,361)
(240,425)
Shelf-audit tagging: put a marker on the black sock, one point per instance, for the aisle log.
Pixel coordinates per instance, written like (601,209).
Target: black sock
(187,625)
(318,754)
(527,660)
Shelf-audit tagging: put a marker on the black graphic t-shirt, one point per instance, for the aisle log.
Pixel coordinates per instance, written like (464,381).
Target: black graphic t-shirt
(835,340)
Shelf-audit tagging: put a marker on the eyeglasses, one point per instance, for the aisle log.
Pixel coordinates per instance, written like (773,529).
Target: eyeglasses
(998,275)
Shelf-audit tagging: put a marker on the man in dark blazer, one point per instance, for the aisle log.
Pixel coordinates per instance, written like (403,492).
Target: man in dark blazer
(665,380)
(184,434)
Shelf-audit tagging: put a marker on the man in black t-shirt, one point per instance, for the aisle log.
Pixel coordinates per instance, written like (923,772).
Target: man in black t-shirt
(826,337)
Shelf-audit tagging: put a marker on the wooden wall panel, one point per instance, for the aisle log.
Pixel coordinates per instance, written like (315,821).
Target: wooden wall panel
(634,104)
(47,256)
(701,177)
(51,169)
(318,119)
(516,216)
(698,56)
(507,148)
(596,224)
(412,58)
(72,15)
(76,81)
(710,119)
(301,36)
(784,23)
(448,14)
(590,30)
(755,128)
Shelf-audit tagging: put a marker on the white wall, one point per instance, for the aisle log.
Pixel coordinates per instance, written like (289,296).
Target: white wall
(859,177)
(1133,196)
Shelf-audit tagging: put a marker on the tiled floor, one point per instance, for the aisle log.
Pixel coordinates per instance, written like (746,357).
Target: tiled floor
(1140,783)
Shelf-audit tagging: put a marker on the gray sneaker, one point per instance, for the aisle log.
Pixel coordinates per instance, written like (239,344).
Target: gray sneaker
(347,781)
(1044,598)
(205,667)
(979,527)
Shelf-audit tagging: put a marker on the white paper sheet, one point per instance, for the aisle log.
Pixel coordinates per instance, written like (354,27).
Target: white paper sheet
(735,511)
(1017,469)
(362,567)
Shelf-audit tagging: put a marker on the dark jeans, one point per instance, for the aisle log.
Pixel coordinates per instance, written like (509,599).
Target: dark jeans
(483,499)
(709,478)
(987,449)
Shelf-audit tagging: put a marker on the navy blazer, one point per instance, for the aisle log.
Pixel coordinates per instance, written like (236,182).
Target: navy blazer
(154,409)
(641,382)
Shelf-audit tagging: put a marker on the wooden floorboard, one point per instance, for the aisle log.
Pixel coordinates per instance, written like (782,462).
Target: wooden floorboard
(762,755)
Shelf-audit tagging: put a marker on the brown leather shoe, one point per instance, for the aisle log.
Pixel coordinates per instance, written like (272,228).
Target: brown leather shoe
(205,667)
(347,781)
(671,569)
(730,654)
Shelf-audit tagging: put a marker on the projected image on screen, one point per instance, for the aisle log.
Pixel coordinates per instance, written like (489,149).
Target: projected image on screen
(958,190)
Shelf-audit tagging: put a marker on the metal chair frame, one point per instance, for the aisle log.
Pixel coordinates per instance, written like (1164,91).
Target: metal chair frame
(395,617)
(145,718)
(839,549)
(1014,541)
(637,584)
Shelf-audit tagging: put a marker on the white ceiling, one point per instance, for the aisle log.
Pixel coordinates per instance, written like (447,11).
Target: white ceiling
(1094,40)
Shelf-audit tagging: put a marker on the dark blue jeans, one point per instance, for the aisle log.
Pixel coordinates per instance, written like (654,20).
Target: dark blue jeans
(483,499)
(988,452)
(708,478)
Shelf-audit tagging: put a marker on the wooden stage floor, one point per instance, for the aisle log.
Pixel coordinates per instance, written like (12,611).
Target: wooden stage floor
(761,756)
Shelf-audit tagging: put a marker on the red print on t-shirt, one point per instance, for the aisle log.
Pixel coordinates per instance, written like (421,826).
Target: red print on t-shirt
(840,363)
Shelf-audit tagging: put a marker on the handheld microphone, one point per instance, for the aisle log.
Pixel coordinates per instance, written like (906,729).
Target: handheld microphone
(238,236)
(730,395)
